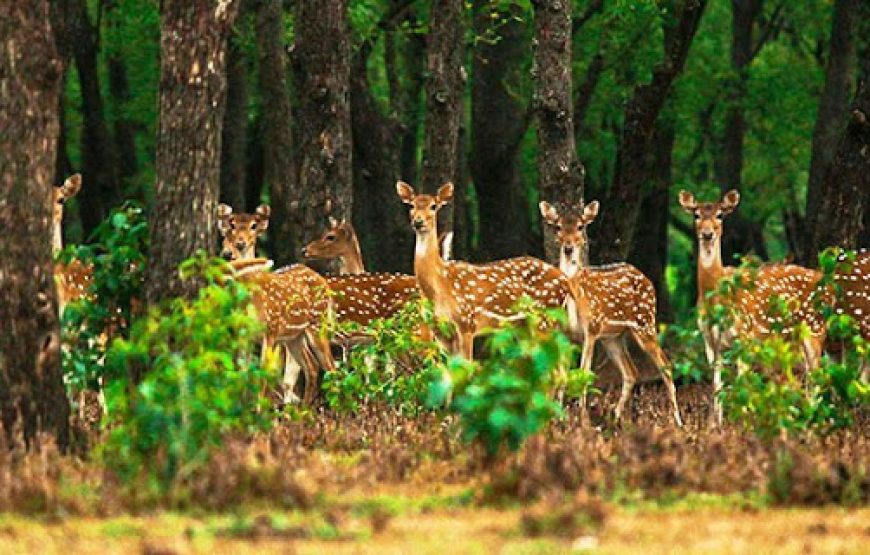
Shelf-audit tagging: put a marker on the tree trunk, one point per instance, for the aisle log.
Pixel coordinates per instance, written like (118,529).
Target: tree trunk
(619,219)
(741,235)
(279,166)
(498,125)
(119,91)
(650,250)
(444,92)
(846,187)
(32,397)
(584,94)
(192,96)
(102,188)
(832,115)
(415,59)
(325,149)
(234,136)
(559,173)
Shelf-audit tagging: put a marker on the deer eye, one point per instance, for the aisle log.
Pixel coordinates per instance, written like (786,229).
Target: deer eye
(232,224)
(433,206)
(254,225)
(330,238)
(579,227)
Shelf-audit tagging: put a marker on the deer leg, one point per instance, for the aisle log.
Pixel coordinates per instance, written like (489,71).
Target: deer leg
(586,366)
(465,344)
(616,351)
(292,368)
(319,346)
(711,348)
(652,348)
(297,350)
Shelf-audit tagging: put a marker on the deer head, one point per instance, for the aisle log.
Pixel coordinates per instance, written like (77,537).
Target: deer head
(59,196)
(338,241)
(424,208)
(239,232)
(708,220)
(570,224)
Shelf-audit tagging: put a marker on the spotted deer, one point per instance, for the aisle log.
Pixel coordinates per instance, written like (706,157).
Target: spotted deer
(72,278)
(293,303)
(614,303)
(750,307)
(240,231)
(854,282)
(473,297)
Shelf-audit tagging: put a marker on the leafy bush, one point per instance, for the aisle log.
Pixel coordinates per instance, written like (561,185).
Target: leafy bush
(118,261)
(508,396)
(200,380)
(394,368)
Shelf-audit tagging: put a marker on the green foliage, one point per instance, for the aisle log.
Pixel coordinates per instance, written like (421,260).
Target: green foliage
(393,368)
(186,378)
(507,397)
(117,258)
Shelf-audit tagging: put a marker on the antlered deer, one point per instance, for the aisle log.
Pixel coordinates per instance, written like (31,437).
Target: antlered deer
(614,303)
(474,297)
(750,307)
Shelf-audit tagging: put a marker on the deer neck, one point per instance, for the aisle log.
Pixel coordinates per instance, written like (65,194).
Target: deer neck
(570,265)
(351,262)
(710,267)
(428,265)
(56,241)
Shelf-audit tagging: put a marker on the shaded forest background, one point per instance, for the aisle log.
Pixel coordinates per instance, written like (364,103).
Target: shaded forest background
(506,99)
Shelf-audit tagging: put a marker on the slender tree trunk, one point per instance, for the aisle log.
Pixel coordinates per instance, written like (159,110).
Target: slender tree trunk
(32,397)
(415,59)
(102,188)
(584,94)
(325,148)
(119,91)
(192,97)
(234,136)
(618,221)
(444,92)
(279,166)
(741,234)
(832,115)
(650,250)
(846,186)
(498,124)
(255,169)
(559,172)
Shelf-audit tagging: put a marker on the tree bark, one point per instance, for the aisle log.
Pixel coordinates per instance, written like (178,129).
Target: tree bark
(444,92)
(278,162)
(498,124)
(32,396)
(119,93)
(559,172)
(650,250)
(192,97)
(325,148)
(619,219)
(415,60)
(234,136)
(102,188)
(846,187)
(832,115)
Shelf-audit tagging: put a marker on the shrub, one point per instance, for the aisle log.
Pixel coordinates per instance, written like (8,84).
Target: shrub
(508,396)
(394,368)
(200,380)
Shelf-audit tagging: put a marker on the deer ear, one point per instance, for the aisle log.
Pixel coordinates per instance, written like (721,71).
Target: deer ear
(333,223)
(590,212)
(548,212)
(730,201)
(445,193)
(72,185)
(263,212)
(223,215)
(687,201)
(405,191)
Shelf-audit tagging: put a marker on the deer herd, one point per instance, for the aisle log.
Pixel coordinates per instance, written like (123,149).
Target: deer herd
(613,304)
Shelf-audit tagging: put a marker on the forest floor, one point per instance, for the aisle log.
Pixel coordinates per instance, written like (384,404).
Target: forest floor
(378,482)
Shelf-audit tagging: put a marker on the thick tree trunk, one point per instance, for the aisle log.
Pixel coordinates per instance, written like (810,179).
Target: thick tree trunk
(559,173)
(832,115)
(650,250)
(741,234)
(279,166)
(32,397)
(192,97)
(846,187)
(444,92)
(325,144)
(498,125)
(234,136)
(102,188)
(618,221)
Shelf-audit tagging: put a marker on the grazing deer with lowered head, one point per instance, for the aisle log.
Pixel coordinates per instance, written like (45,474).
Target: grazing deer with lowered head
(474,297)
(614,303)
(73,278)
(293,304)
(750,307)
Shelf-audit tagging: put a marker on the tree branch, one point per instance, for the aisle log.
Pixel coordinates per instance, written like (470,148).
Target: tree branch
(387,22)
(773,25)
